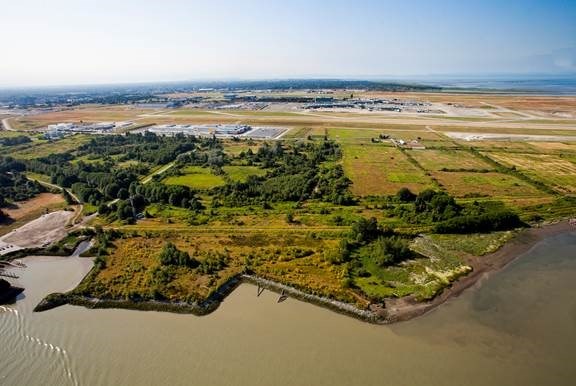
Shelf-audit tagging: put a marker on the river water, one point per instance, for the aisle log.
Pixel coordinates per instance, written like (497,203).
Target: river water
(517,328)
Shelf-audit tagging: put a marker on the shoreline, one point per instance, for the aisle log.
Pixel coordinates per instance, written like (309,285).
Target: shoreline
(394,310)
(482,267)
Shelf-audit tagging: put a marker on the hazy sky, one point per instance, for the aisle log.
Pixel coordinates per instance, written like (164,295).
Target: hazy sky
(102,41)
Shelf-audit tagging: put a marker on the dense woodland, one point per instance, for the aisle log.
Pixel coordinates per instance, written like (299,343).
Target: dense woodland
(14,186)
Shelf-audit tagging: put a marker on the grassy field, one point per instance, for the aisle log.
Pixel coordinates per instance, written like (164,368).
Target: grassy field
(45,148)
(436,160)
(551,169)
(492,184)
(234,148)
(377,169)
(241,173)
(195,177)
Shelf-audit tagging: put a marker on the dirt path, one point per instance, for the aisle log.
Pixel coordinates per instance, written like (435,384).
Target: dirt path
(159,171)
(6,124)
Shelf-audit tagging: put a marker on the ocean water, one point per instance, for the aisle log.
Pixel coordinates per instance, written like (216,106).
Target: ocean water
(517,327)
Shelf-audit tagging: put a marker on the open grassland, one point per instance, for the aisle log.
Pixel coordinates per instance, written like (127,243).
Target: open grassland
(45,148)
(376,169)
(475,244)
(235,148)
(196,177)
(81,114)
(133,269)
(555,147)
(552,170)
(518,146)
(491,184)
(436,160)
(510,128)
(241,173)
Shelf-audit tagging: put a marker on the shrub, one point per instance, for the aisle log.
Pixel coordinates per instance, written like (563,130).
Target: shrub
(487,222)
(170,255)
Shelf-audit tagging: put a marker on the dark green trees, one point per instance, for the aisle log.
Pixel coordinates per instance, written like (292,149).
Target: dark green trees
(170,255)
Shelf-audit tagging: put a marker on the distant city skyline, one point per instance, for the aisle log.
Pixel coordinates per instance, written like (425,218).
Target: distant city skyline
(65,42)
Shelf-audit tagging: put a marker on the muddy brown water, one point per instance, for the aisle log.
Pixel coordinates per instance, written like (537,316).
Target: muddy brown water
(517,327)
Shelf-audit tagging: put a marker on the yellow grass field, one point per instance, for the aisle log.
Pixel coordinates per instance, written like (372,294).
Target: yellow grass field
(551,169)
(435,160)
(493,184)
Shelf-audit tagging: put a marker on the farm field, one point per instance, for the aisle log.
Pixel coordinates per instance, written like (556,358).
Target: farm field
(491,184)
(377,169)
(437,160)
(551,169)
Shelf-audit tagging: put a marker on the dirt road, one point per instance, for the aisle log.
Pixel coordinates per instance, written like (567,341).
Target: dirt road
(38,233)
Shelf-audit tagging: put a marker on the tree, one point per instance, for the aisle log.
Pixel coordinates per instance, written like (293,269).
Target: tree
(390,250)
(123,194)
(103,209)
(405,195)
(68,197)
(170,255)
(3,216)
(365,230)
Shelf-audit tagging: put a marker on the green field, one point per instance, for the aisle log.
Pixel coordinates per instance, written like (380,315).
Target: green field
(436,160)
(492,184)
(377,169)
(195,177)
(241,173)
(45,148)
(557,172)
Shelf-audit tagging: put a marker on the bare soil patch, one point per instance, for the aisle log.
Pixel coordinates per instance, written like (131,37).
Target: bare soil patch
(24,208)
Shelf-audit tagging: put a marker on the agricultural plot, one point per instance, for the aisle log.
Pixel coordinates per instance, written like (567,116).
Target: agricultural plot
(492,184)
(436,160)
(347,135)
(195,177)
(376,169)
(517,146)
(557,172)
(555,147)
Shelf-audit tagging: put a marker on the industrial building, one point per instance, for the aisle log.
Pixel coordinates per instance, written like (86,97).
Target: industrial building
(218,130)
(60,130)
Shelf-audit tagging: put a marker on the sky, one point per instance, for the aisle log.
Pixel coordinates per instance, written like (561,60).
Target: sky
(65,42)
